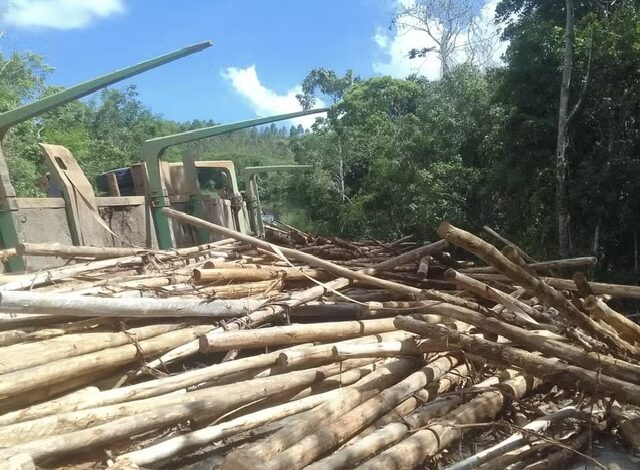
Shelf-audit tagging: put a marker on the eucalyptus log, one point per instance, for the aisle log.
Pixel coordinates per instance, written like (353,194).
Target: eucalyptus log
(548,345)
(73,305)
(600,288)
(419,446)
(569,263)
(15,383)
(332,433)
(293,334)
(256,274)
(628,329)
(514,305)
(57,250)
(554,370)
(264,315)
(507,242)
(143,390)
(393,432)
(298,357)
(264,450)
(490,255)
(26,355)
(176,445)
(291,253)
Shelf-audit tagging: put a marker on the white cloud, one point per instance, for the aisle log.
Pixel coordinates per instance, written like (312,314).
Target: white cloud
(396,44)
(263,100)
(60,14)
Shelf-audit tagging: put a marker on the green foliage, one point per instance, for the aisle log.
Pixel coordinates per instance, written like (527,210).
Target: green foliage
(410,154)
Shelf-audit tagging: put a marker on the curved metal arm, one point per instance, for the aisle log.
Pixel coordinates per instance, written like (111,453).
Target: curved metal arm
(153,149)
(17,115)
(10,227)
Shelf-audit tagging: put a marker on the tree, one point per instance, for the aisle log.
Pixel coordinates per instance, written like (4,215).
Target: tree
(444,21)
(331,89)
(325,84)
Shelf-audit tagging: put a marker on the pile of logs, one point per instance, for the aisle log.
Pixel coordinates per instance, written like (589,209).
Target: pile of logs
(318,353)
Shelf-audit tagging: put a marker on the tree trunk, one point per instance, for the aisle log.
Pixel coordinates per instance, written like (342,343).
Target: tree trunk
(562,212)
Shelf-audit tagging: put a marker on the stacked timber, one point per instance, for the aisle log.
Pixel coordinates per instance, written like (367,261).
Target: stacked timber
(315,352)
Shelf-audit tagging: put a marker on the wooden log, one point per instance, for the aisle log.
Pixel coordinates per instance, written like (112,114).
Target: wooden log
(332,433)
(299,357)
(628,423)
(18,461)
(264,450)
(423,268)
(47,393)
(57,250)
(393,432)
(344,379)
(179,444)
(242,392)
(490,255)
(261,274)
(259,317)
(413,255)
(413,450)
(589,380)
(599,288)
(7,253)
(524,311)
(24,356)
(15,383)
(49,407)
(229,291)
(10,321)
(387,349)
(240,263)
(507,242)
(384,349)
(628,329)
(549,346)
(293,334)
(569,263)
(514,441)
(452,378)
(72,305)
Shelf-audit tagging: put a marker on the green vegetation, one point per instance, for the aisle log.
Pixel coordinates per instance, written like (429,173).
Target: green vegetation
(397,156)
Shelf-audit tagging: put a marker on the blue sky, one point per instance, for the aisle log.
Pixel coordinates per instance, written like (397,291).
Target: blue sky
(262,49)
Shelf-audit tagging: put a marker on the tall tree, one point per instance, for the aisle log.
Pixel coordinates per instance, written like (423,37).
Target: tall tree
(330,88)
(444,21)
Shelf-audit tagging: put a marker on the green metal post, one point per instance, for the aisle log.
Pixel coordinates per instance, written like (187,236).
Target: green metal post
(250,175)
(153,149)
(10,229)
